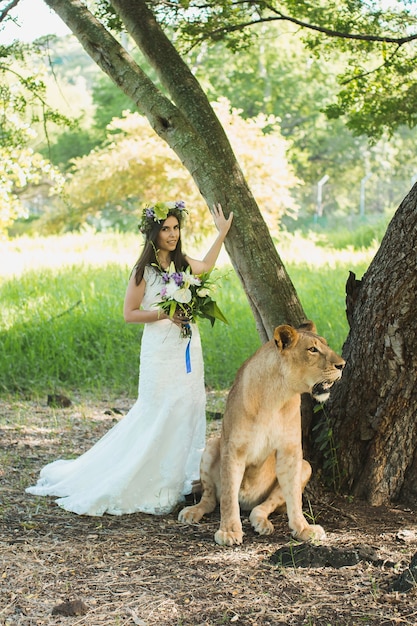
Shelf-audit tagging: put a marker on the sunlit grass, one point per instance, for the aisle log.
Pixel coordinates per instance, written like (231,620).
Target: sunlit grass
(61,323)
(316,251)
(34,253)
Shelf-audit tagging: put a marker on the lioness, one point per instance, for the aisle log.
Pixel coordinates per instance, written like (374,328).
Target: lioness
(257,461)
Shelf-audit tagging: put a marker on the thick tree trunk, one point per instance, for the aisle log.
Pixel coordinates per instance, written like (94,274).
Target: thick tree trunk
(190,127)
(374,407)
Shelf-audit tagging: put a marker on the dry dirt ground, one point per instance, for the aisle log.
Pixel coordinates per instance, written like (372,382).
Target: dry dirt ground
(57,568)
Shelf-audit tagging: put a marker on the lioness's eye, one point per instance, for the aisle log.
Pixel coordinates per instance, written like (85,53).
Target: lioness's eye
(313,349)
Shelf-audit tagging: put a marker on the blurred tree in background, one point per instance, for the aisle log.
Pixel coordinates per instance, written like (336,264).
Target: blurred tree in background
(109,187)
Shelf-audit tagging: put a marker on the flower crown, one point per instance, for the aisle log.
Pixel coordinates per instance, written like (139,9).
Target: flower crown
(159,212)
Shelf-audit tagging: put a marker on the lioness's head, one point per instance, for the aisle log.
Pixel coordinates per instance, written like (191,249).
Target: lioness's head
(310,364)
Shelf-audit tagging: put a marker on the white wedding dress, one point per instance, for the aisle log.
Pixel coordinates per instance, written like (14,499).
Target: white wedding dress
(149,459)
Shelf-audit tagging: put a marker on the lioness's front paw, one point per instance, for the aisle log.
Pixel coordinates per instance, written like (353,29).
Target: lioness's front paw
(261,524)
(190,515)
(312,532)
(228,537)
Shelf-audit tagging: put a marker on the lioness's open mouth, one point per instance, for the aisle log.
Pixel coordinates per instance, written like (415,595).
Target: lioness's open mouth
(321,391)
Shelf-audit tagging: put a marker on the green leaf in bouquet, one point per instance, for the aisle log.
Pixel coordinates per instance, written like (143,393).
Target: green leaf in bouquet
(212,312)
(172,308)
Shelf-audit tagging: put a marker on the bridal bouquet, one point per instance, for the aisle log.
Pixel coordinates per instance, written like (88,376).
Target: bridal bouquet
(190,294)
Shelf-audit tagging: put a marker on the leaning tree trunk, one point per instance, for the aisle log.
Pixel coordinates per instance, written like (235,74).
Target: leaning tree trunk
(188,124)
(374,407)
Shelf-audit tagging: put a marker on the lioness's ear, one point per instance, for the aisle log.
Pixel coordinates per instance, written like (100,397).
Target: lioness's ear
(309,326)
(285,336)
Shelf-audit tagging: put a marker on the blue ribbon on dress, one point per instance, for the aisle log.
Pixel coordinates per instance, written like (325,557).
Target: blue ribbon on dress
(187,351)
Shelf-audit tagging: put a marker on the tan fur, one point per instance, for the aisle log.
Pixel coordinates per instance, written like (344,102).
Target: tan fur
(256,463)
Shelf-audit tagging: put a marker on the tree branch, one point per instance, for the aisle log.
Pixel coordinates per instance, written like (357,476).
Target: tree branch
(341,35)
(279,16)
(373,71)
(4,13)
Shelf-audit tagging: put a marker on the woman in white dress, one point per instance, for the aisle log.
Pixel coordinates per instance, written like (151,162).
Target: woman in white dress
(148,461)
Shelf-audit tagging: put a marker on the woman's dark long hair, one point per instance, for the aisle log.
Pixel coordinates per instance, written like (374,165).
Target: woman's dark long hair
(148,254)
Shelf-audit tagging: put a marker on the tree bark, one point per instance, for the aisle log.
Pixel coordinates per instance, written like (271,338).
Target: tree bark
(374,407)
(188,124)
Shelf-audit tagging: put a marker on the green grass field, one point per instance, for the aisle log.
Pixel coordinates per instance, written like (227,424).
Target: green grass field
(61,323)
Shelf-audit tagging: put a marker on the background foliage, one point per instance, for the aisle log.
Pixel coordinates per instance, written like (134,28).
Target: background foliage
(286,76)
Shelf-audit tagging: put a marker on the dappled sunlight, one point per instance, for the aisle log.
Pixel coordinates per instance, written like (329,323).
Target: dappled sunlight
(25,254)
(37,439)
(50,427)
(237,556)
(314,250)
(95,249)
(98,249)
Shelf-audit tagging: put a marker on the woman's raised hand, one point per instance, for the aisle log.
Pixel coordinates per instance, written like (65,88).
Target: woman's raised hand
(222,224)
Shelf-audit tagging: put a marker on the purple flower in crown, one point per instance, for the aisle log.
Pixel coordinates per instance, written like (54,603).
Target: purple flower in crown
(159,212)
(165,277)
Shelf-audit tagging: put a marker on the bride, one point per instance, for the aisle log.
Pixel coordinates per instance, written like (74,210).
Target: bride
(149,459)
